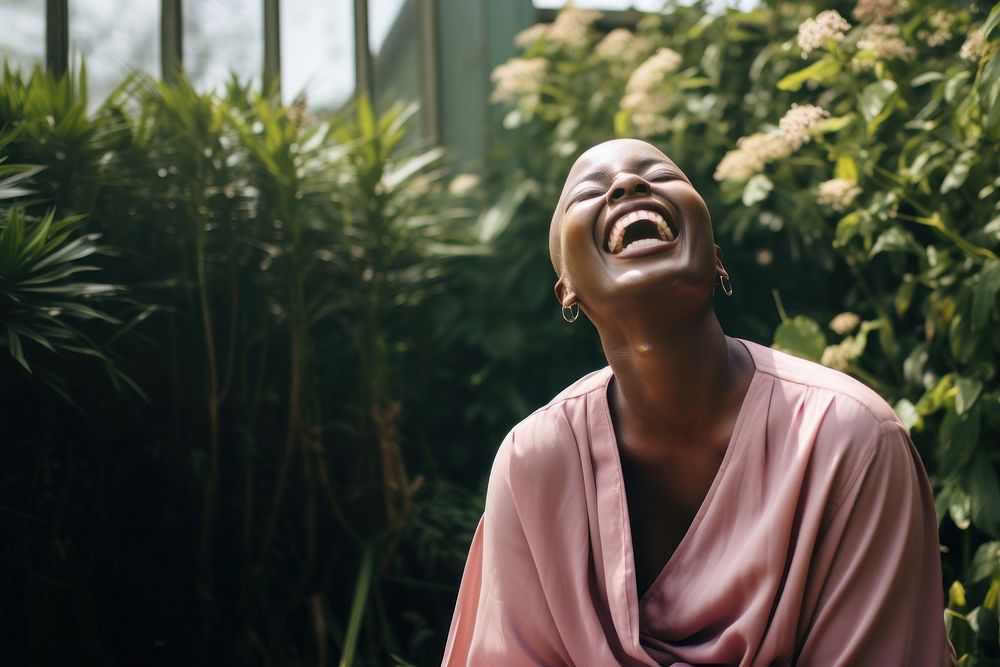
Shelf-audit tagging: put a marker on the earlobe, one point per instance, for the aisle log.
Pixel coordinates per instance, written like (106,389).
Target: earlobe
(721,274)
(718,259)
(565,293)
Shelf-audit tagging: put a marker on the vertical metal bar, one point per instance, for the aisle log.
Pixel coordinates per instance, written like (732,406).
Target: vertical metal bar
(272,46)
(429,72)
(171,39)
(57,36)
(363,74)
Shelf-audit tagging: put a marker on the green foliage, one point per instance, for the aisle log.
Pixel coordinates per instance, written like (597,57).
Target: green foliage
(301,272)
(857,158)
(44,299)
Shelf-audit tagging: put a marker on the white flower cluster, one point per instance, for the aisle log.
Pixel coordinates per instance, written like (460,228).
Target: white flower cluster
(754,151)
(531,34)
(881,41)
(878,10)
(974,47)
(463,184)
(572,26)
(650,74)
(645,95)
(838,193)
(518,77)
(942,21)
(768,147)
(839,356)
(649,124)
(622,45)
(799,122)
(845,323)
(737,165)
(828,25)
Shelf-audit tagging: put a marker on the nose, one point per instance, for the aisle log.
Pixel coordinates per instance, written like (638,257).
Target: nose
(627,185)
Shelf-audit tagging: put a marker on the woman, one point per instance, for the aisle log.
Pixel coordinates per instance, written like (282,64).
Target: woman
(703,500)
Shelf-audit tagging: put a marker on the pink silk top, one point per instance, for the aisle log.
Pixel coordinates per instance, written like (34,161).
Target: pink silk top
(816,544)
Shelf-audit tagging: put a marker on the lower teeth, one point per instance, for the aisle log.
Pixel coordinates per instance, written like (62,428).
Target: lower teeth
(642,243)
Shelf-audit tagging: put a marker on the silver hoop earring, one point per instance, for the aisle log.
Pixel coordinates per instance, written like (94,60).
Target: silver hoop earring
(573,314)
(727,287)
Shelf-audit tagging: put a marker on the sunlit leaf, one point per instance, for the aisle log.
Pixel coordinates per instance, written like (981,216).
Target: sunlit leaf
(800,336)
(874,100)
(821,70)
(757,189)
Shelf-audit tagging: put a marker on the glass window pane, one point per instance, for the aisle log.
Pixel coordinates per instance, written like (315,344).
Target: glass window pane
(22,40)
(642,5)
(608,5)
(222,37)
(382,17)
(317,51)
(394,33)
(134,41)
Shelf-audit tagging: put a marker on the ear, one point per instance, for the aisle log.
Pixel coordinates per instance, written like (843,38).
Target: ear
(565,292)
(720,269)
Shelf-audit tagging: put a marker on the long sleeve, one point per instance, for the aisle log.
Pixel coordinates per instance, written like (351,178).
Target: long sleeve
(501,616)
(877,589)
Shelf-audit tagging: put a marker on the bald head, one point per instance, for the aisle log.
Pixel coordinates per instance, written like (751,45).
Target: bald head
(598,166)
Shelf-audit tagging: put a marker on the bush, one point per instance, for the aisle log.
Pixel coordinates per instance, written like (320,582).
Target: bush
(267,489)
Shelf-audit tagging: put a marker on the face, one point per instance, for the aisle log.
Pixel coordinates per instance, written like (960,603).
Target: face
(630,230)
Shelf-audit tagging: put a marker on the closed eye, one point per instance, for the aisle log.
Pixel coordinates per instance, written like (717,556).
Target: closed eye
(662,175)
(583,195)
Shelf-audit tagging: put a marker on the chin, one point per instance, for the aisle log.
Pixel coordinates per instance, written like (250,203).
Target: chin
(684,296)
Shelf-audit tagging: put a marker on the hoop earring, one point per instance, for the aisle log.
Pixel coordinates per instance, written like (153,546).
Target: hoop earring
(573,314)
(727,287)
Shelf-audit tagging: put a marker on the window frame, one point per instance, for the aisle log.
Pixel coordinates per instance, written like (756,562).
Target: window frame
(172,48)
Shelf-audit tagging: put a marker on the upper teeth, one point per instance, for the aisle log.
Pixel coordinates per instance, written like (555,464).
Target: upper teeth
(618,230)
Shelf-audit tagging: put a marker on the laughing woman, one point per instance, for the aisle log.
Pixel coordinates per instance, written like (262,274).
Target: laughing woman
(702,500)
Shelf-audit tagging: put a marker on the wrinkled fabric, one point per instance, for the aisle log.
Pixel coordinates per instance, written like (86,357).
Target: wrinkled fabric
(815,545)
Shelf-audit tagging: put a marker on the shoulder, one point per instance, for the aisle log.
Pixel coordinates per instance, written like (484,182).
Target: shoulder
(543,445)
(850,401)
(844,425)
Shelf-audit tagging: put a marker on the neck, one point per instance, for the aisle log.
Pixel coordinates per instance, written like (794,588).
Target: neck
(672,379)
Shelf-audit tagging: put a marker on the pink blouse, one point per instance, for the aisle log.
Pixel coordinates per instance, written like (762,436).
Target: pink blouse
(816,544)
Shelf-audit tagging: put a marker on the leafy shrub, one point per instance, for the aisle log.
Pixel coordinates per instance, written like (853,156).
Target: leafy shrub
(277,496)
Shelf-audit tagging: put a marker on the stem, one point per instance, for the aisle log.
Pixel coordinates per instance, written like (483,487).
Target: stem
(290,437)
(935,222)
(358,606)
(309,443)
(297,327)
(234,293)
(876,303)
(211,479)
(331,497)
(779,305)
(318,625)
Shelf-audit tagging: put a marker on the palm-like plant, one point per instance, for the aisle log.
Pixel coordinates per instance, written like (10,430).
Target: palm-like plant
(393,257)
(42,296)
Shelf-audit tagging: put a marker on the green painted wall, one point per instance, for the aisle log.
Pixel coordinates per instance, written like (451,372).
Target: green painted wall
(473,37)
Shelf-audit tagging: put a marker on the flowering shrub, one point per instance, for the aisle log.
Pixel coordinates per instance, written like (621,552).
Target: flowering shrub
(855,151)
(904,175)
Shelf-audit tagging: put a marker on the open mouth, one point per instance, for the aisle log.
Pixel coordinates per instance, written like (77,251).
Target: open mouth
(640,228)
